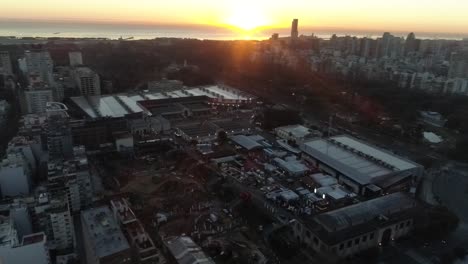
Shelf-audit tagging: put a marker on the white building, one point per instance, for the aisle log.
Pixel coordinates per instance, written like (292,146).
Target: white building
(76,58)
(15,175)
(35,101)
(87,81)
(5,63)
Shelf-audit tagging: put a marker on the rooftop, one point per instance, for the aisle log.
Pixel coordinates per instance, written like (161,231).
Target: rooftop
(246,142)
(355,158)
(361,213)
(106,237)
(119,105)
(292,165)
(185,251)
(297,131)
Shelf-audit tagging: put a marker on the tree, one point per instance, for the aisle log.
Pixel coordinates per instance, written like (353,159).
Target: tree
(222,137)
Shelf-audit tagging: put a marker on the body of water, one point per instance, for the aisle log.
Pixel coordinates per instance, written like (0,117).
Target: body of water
(115,31)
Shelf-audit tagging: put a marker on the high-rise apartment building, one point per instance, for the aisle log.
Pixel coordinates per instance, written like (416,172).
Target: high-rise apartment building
(5,63)
(35,100)
(52,215)
(87,81)
(58,132)
(411,43)
(73,177)
(38,66)
(459,64)
(75,57)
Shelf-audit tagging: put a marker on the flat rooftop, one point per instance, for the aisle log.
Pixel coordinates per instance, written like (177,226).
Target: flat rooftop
(105,235)
(295,130)
(356,159)
(33,238)
(119,105)
(361,213)
(246,142)
(185,251)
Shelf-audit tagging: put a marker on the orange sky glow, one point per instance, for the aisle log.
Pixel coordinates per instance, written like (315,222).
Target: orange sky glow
(397,15)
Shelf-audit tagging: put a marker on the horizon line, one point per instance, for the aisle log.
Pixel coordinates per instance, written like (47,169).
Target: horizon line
(273,29)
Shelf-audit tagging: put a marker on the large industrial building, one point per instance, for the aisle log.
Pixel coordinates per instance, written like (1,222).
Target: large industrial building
(363,168)
(352,229)
(120,105)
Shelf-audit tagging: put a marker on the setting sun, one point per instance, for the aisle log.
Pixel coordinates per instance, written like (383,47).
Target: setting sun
(247,16)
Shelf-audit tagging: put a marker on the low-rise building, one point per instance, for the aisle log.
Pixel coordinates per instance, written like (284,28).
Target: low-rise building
(184,251)
(347,231)
(295,133)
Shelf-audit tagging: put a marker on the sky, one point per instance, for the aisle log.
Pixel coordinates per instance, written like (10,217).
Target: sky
(448,16)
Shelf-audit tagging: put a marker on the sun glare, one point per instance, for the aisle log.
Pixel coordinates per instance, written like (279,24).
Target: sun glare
(247,17)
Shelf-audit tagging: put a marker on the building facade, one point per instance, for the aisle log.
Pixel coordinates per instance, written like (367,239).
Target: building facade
(35,100)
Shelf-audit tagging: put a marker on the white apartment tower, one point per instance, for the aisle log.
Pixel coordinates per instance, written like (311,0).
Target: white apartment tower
(39,66)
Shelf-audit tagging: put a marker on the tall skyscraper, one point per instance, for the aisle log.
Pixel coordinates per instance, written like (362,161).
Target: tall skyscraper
(294,29)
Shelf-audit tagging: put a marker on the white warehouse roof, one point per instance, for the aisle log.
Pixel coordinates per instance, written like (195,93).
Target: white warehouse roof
(356,159)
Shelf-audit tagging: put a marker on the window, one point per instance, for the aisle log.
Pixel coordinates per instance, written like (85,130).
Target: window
(341,246)
(408,223)
(308,234)
(349,244)
(364,238)
(316,241)
(356,241)
(401,225)
(371,236)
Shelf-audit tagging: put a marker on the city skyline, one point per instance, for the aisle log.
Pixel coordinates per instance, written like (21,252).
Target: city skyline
(245,16)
